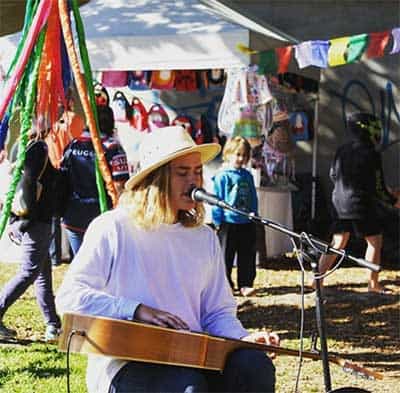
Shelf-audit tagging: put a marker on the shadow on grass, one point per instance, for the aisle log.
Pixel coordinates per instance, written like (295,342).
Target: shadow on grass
(352,318)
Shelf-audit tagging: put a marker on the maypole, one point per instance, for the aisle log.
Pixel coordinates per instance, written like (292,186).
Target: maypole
(83,95)
(36,84)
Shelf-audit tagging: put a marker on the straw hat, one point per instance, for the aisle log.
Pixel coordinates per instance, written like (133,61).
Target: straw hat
(164,145)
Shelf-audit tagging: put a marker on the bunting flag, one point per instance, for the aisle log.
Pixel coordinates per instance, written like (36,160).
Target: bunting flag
(396,41)
(356,47)
(337,51)
(268,62)
(322,53)
(377,44)
(284,55)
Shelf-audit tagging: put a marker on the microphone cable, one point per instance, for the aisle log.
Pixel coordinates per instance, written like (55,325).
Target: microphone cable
(69,340)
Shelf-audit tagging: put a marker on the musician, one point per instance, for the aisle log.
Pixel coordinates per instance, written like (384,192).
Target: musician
(152,260)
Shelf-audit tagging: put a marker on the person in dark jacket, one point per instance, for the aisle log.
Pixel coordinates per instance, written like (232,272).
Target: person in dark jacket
(359,189)
(34,234)
(78,168)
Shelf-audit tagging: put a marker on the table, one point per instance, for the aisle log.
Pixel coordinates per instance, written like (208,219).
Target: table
(275,204)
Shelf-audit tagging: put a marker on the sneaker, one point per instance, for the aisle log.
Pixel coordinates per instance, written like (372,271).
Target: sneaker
(52,333)
(6,333)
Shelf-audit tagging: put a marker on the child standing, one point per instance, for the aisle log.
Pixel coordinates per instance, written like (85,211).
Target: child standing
(237,234)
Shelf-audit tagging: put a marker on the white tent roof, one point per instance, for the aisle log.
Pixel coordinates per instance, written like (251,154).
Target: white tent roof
(155,34)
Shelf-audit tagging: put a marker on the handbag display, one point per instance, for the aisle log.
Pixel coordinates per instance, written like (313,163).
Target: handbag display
(19,206)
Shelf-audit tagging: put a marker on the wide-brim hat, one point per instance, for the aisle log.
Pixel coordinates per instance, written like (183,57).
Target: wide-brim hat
(164,145)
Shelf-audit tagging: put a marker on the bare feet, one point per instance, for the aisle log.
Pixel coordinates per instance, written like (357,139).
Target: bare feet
(379,289)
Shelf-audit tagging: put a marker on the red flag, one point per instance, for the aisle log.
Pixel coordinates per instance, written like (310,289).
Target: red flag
(377,43)
(284,56)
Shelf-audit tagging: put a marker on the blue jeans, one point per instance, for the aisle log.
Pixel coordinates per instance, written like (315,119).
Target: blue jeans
(35,268)
(246,370)
(55,243)
(75,239)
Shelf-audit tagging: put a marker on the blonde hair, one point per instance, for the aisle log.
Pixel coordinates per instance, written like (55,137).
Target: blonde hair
(233,145)
(148,203)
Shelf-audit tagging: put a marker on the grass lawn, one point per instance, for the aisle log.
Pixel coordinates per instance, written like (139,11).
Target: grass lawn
(364,327)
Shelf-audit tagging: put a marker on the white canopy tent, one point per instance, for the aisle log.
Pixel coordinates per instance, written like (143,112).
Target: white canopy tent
(155,35)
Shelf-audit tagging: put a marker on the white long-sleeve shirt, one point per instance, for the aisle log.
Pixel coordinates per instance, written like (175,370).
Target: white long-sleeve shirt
(175,269)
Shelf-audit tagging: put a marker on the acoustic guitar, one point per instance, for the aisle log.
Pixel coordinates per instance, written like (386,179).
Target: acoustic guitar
(148,343)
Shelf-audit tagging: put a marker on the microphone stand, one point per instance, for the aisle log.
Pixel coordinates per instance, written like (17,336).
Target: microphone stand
(316,244)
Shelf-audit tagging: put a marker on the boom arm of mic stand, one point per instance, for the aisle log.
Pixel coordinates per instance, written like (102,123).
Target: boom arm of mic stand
(322,246)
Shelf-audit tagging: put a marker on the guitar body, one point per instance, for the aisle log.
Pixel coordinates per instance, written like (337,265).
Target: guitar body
(154,344)
(137,341)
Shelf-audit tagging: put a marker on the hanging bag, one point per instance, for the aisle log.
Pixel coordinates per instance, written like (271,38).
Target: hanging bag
(158,117)
(139,117)
(139,80)
(120,106)
(19,206)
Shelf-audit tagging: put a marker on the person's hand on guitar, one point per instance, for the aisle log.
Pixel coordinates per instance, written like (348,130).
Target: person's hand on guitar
(153,316)
(264,338)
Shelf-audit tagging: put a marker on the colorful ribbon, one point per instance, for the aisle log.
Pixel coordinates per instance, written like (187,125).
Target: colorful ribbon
(82,91)
(38,22)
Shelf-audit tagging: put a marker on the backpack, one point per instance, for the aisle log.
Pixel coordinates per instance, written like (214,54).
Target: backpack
(162,80)
(157,117)
(185,122)
(139,80)
(120,106)
(299,126)
(101,95)
(185,80)
(139,117)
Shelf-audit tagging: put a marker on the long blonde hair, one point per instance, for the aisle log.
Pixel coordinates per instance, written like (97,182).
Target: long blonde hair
(233,145)
(148,203)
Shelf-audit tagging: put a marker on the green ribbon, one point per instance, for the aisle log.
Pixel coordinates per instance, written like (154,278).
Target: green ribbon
(356,47)
(268,62)
(26,124)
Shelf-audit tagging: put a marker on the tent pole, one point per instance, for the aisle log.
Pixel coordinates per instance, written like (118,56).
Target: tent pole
(314,160)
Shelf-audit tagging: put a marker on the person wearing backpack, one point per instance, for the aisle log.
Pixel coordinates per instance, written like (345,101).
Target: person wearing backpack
(78,170)
(33,232)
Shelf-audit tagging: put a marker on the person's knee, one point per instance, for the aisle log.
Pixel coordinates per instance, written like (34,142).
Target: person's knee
(252,370)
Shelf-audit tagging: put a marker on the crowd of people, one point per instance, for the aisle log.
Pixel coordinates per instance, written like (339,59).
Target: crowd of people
(134,262)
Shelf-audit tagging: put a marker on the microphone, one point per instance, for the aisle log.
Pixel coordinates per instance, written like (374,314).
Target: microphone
(198,194)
